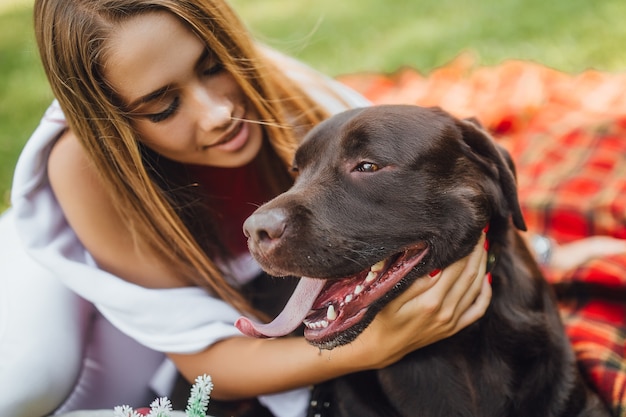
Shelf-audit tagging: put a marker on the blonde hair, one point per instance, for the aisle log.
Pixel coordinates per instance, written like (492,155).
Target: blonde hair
(72,35)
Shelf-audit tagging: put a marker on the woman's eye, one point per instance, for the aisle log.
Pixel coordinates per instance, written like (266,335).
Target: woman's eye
(367,167)
(159,117)
(213,69)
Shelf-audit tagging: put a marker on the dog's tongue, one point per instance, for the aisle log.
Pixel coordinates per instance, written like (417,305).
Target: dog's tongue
(292,315)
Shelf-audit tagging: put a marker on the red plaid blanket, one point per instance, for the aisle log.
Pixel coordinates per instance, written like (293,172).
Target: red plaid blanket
(567,134)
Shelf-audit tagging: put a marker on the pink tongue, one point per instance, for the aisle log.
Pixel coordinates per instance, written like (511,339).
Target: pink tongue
(292,315)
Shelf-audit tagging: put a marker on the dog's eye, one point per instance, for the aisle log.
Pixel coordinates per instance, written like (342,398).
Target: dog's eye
(367,167)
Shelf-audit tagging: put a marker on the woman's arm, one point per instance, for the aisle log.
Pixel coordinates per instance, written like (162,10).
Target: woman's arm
(568,256)
(431,309)
(574,254)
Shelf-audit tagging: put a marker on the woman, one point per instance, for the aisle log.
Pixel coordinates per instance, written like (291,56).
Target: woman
(174,125)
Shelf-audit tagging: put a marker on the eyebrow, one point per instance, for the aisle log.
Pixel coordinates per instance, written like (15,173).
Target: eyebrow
(161,91)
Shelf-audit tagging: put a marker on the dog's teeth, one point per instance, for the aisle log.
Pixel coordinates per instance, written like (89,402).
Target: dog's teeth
(371,276)
(322,324)
(378,266)
(331,314)
(348,298)
(358,289)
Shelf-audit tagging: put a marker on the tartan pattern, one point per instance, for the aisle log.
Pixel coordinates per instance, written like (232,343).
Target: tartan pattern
(567,135)
(599,347)
(573,185)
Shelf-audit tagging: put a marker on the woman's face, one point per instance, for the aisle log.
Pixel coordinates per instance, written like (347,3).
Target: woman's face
(184,105)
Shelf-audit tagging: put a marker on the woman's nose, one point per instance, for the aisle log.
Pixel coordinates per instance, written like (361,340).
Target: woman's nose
(212,110)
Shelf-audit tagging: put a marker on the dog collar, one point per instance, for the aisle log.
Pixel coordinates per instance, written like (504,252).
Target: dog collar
(491,254)
(491,259)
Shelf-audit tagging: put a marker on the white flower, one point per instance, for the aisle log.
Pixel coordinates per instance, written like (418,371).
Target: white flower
(125,411)
(161,407)
(199,398)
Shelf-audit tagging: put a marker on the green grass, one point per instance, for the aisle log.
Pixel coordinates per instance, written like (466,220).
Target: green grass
(341,36)
(24,92)
(344,36)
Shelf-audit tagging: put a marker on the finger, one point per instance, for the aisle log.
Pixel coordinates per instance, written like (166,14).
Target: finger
(478,308)
(446,288)
(457,279)
(470,293)
(435,286)
(424,284)
(473,293)
(464,293)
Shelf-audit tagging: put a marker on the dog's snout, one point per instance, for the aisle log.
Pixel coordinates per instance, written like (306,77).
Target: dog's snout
(265,227)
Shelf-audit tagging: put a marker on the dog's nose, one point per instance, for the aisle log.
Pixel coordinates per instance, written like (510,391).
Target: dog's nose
(266,226)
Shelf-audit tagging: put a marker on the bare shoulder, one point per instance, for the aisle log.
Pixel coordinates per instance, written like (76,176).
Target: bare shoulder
(68,166)
(74,180)
(92,214)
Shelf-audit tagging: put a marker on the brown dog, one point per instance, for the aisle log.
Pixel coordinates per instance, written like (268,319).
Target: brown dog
(385,195)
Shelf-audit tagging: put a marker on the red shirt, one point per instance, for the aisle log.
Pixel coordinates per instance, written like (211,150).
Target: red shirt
(234,193)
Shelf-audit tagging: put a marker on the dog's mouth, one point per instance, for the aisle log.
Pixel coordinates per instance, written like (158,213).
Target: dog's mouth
(330,307)
(343,302)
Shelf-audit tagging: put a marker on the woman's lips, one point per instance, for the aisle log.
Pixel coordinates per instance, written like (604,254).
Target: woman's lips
(234,140)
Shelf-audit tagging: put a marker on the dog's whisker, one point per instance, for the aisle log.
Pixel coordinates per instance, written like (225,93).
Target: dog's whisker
(261,122)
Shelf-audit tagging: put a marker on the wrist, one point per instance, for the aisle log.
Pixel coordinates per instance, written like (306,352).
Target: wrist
(368,351)
(543,247)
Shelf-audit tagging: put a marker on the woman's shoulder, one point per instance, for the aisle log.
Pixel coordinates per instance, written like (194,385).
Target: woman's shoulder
(67,155)
(80,194)
(92,213)
(71,174)
(69,171)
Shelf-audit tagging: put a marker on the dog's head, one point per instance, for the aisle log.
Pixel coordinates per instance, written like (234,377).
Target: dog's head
(384,195)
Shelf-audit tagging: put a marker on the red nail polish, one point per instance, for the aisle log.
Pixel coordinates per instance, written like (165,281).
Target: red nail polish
(434,272)
(486,229)
(486,244)
(489,278)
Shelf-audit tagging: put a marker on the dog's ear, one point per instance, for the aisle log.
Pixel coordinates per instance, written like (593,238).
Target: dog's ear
(474,121)
(497,161)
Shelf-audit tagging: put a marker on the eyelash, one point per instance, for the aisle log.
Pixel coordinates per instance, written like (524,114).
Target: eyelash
(159,117)
(217,67)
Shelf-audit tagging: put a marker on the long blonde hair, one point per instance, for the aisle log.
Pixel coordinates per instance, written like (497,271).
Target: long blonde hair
(71,35)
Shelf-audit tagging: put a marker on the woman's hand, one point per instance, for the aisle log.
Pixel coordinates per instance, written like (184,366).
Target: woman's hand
(432,309)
